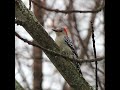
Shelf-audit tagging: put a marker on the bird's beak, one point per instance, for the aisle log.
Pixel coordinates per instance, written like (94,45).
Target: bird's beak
(57,30)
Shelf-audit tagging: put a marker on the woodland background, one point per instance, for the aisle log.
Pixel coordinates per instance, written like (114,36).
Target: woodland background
(34,70)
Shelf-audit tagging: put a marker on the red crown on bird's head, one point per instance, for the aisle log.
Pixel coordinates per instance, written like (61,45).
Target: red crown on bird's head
(66,30)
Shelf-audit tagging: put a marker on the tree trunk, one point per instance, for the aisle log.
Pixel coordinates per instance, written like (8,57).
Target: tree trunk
(37,52)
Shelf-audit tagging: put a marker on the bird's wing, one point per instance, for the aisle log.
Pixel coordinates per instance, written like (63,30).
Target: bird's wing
(70,44)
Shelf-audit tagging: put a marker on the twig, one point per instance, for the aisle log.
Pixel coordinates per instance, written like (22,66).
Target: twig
(79,36)
(29,4)
(94,49)
(53,52)
(102,72)
(22,74)
(69,11)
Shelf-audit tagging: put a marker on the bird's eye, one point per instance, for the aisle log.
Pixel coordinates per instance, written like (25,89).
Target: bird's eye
(61,30)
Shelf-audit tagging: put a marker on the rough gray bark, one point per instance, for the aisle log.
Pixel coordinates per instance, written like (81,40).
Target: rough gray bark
(37,32)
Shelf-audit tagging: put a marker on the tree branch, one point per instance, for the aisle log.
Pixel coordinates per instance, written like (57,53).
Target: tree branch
(29,4)
(58,54)
(94,49)
(70,11)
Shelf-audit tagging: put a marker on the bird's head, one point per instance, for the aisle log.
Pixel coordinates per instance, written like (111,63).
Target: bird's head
(61,31)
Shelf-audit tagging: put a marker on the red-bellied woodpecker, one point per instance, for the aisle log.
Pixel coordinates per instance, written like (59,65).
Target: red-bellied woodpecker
(66,45)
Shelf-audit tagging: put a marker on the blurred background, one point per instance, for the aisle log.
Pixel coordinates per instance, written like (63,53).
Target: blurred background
(34,71)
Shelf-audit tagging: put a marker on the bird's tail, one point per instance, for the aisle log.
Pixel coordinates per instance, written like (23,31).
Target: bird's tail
(77,65)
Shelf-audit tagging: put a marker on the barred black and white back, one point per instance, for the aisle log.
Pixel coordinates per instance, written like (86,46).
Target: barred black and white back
(70,44)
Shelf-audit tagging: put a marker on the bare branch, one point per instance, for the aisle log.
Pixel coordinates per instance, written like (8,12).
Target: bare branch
(94,49)
(55,53)
(29,4)
(70,11)
(22,74)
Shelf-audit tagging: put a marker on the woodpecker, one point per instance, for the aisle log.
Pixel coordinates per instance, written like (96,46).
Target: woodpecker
(63,41)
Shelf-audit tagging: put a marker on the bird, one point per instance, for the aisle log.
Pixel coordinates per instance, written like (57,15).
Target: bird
(66,45)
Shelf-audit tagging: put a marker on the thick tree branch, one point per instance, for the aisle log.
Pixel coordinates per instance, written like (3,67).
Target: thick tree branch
(37,32)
